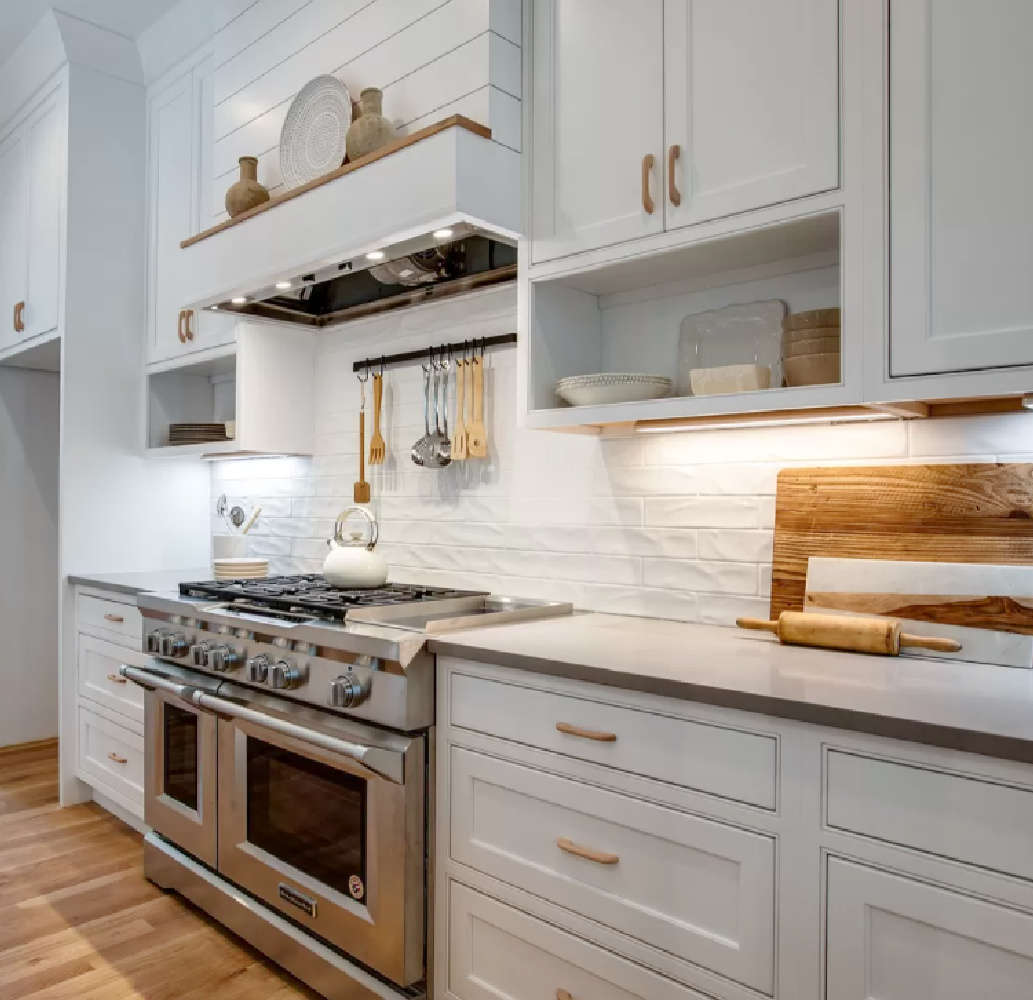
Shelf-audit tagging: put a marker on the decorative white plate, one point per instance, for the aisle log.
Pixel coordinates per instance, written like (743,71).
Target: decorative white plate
(607,387)
(312,137)
(747,334)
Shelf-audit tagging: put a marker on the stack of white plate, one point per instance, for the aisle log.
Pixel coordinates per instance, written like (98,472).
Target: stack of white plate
(611,387)
(240,569)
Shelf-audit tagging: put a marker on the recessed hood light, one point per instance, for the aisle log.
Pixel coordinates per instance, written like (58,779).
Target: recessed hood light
(375,255)
(239,300)
(442,234)
(284,286)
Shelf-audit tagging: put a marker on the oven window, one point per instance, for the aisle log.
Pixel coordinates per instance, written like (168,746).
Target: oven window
(180,777)
(308,815)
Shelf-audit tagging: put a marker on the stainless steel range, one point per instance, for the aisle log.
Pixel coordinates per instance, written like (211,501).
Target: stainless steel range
(289,741)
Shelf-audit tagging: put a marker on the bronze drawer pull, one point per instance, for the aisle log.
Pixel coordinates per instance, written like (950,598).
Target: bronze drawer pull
(672,190)
(186,324)
(586,734)
(179,327)
(599,857)
(118,760)
(19,321)
(647,198)
(117,619)
(563,995)
(115,679)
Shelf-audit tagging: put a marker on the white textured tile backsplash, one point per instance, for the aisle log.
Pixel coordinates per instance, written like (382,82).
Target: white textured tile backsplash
(674,526)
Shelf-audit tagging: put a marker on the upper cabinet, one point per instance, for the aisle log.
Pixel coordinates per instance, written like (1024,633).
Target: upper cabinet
(179,206)
(32,172)
(961,202)
(665,113)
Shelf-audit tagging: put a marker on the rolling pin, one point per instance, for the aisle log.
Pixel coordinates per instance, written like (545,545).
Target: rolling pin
(858,635)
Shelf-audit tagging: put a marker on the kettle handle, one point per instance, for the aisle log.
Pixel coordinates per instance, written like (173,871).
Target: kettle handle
(374,527)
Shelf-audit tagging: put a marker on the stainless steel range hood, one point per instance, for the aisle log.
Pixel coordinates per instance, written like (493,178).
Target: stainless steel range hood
(445,208)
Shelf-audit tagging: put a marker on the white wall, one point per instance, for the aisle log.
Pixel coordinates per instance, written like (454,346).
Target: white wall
(29,434)
(673,525)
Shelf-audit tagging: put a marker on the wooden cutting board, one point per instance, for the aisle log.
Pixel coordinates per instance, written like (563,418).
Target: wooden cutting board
(978,513)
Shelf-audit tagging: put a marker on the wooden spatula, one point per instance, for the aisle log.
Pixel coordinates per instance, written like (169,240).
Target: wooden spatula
(459,439)
(859,635)
(477,436)
(361,492)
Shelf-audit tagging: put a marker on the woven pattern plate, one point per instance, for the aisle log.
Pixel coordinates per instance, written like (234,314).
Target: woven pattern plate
(312,137)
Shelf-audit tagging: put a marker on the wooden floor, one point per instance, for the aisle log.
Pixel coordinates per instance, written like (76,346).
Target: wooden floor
(78,921)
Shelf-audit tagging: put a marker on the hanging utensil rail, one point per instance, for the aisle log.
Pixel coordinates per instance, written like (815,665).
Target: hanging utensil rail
(479,344)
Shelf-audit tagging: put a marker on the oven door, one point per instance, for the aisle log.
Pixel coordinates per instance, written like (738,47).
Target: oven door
(181,748)
(324,820)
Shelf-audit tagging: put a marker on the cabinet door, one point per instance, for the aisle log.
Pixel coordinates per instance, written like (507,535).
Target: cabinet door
(13,234)
(170,211)
(752,103)
(891,938)
(597,111)
(961,202)
(44,140)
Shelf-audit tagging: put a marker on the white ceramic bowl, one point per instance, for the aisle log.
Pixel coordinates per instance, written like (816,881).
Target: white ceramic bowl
(616,387)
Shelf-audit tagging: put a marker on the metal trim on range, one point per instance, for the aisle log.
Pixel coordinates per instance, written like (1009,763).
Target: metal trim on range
(322,968)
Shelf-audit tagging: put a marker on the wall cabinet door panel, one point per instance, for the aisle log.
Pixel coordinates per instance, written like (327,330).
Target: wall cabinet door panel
(752,102)
(892,938)
(14,225)
(961,204)
(598,93)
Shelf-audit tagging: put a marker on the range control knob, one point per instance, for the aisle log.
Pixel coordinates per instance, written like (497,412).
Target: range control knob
(174,645)
(154,640)
(284,676)
(258,669)
(348,690)
(224,658)
(199,654)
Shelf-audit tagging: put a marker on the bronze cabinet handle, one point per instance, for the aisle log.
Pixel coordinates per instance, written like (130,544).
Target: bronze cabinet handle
(179,327)
(117,619)
(115,679)
(118,760)
(586,734)
(599,857)
(19,317)
(647,199)
(563,995)
(186,324)
(672,190)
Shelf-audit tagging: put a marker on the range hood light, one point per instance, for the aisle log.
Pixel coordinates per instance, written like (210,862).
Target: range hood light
(283,286)
(375,255)
(442,234)
(239,300)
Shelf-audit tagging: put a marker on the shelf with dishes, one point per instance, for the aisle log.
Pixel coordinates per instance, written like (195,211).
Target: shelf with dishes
(751,322)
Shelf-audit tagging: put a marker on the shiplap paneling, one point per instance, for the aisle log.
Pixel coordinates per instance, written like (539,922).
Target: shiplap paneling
(225,11)
(260,20)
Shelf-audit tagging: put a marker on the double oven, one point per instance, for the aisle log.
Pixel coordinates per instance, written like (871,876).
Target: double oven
(318,817)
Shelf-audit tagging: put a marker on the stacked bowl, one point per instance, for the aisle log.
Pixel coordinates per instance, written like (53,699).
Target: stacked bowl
(240,569)
(811,347)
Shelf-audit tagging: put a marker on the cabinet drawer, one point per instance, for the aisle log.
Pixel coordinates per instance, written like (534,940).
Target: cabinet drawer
(890,936)
(113,756)
(698,889)
(495,951)
(122,620)
(726,762)
(99,679)
(968,819)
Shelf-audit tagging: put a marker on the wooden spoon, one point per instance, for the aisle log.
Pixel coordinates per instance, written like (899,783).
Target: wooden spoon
(477,436)
(459,451)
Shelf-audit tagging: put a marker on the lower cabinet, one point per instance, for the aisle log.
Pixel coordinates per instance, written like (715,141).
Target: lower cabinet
(113,757)
(895,938)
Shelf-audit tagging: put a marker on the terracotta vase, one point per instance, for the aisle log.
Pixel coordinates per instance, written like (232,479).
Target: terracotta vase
(371,129)
(247,193)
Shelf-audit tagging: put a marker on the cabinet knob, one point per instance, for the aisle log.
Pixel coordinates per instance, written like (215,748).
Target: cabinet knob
(647,199)
(672,189)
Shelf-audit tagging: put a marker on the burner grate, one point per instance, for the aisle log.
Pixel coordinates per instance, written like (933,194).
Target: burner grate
(311,593)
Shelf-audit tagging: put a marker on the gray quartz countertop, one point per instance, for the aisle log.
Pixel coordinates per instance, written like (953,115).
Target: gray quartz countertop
(963,706)
(132,584)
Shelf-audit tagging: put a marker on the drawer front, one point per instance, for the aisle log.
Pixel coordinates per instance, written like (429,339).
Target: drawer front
(122,620)
(495,951)
(113,756)
(967,819)
(99,679)
(729,763)
(891,937)
(695,888)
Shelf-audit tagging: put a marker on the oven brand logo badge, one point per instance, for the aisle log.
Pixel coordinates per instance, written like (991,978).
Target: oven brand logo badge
(355,887)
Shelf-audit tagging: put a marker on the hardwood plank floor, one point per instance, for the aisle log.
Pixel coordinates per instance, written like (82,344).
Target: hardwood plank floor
(78,920)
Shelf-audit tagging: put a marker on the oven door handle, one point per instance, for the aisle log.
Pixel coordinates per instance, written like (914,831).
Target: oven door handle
(389,764)
(155,682)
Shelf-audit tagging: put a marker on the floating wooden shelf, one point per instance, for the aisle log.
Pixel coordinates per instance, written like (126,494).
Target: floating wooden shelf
(455,121)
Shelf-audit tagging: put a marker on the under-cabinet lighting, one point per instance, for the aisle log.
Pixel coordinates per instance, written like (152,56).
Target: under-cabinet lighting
(442,234)
(283,286)
(375,255)
(1027,402)
(213,308)
(239,300)
(747,421)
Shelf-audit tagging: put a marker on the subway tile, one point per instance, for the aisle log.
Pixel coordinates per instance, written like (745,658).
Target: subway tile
(718,609)
(733,545)
(644,482)
(710,577)
(744,479)
(703,512)
(998,434)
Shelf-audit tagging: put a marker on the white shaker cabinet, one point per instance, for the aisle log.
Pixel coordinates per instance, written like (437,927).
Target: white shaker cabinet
(961,202)
(597,93)
(13,229)
(179,206)
(896,938)
(751,103)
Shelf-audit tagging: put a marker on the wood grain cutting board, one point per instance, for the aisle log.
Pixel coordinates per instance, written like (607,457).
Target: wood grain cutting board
(978,513)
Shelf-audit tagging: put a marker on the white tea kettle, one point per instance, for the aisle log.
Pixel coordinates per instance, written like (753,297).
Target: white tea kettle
(355,562)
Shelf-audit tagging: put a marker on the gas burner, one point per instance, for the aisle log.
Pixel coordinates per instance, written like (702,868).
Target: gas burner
(311,593)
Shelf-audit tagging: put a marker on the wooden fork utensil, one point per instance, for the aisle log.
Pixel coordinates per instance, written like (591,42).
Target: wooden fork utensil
(377,445)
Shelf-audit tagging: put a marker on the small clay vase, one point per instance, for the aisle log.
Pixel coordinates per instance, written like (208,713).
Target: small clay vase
(371,129)
(247,193)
